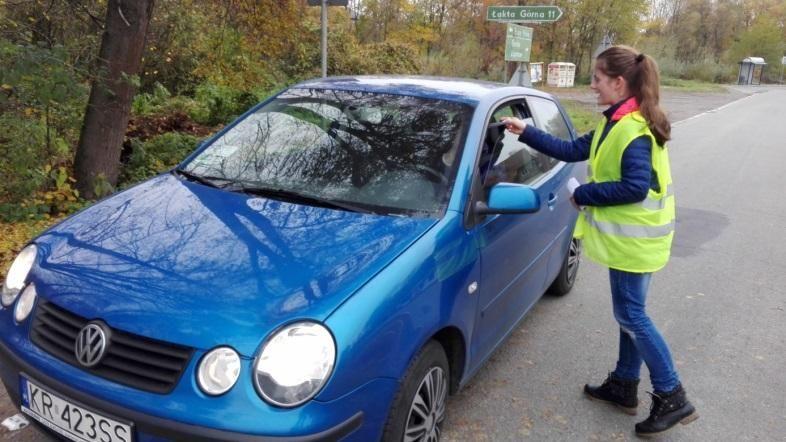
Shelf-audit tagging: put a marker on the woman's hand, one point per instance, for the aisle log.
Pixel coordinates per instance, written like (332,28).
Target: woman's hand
(514,125)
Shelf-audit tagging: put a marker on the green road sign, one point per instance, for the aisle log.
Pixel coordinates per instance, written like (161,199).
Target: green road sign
(524,14)
(518,43)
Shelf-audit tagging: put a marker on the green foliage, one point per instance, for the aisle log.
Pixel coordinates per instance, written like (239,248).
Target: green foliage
(41,114)
(22,146)
(161,102)
(705,70)
(151,103)
(175,46)
(42,84)
(61,196)
(102,186)
(229,62)
(155,156)
(764,39)
(461,60)
(392,58)
(217,104)
(33,186)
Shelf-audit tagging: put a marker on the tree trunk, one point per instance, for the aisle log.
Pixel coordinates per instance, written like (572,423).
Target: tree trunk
(106,118)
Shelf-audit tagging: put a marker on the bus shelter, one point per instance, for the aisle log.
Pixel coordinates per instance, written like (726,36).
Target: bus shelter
(751,69)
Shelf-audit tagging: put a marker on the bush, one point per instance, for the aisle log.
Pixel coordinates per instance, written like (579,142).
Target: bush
(58,198)
(156,155)
(392,58)
(463,59)
(220,104)
(41,104)
(23,149)
(707,71)
(161,102)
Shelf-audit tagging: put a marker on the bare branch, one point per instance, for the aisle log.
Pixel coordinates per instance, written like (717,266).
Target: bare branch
(120,11)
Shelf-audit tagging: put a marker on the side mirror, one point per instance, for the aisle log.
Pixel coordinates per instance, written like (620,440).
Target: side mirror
(509,198)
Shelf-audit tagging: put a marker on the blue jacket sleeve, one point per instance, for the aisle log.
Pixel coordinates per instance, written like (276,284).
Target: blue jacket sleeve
(632,187)
(569,151)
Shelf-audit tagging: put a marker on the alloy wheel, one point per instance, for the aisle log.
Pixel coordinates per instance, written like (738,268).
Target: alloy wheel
(428,408)
(574,256)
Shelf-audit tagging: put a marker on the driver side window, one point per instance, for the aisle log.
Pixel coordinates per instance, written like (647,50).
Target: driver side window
(504,157)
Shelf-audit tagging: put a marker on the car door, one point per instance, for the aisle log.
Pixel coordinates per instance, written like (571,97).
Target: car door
(549,117)
(514,249)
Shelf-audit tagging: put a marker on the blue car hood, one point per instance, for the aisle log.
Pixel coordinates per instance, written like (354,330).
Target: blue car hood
(198,266)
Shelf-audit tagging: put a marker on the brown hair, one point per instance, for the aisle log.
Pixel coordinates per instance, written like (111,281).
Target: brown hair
(641,73)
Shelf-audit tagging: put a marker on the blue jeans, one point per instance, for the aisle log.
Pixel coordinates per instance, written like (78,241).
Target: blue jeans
(639,339)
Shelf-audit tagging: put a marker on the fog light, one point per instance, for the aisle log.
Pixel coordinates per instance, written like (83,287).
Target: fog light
(218,371)
(25,303)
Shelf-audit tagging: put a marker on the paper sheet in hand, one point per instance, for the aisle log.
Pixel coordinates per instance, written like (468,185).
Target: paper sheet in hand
(573,183)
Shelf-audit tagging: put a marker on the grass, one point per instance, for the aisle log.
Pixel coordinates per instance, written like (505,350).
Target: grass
(584,117)
(691,85)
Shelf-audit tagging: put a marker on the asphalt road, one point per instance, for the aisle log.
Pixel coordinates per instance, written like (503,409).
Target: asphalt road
(719,302)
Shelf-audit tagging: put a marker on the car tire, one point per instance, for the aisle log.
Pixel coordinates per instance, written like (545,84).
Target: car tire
(564,281)
(419,406)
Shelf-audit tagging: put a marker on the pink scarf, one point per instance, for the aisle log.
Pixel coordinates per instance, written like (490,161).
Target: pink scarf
(630,105)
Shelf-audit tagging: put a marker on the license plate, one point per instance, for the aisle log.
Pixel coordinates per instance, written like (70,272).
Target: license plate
(68,419)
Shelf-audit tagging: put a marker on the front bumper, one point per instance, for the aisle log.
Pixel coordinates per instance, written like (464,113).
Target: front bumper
(147,426)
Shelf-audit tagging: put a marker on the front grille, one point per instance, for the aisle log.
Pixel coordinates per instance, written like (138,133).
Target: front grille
(131,360)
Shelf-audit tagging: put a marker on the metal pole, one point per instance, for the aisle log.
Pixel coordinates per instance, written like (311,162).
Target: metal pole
(324,38)
(525,77)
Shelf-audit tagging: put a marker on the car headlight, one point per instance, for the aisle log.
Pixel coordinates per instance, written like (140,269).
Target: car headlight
(25,304)
(218,371)
(294,364)
(17,274)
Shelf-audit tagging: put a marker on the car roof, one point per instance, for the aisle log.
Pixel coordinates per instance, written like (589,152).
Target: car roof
(445,88)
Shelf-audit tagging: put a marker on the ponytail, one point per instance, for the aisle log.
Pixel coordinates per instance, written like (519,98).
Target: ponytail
(641,74)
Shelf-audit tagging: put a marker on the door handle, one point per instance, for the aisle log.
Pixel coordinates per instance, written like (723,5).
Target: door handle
(552,199)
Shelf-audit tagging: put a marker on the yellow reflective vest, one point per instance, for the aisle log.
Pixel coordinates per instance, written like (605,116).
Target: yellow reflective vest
(632,237)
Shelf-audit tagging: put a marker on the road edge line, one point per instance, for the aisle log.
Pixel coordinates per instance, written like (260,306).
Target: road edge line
(714,110)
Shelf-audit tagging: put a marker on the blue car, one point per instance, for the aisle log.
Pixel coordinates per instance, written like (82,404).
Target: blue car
(330,266)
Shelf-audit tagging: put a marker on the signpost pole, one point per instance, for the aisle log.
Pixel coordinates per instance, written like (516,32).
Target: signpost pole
(524,77)
(324,38)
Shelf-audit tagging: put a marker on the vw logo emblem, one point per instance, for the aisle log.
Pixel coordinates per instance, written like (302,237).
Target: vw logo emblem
(90,345)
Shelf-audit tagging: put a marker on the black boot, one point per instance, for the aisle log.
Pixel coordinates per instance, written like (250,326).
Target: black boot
(616,391)
(666,411)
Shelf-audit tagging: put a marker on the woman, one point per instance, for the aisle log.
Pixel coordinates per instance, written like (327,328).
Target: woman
(627,223)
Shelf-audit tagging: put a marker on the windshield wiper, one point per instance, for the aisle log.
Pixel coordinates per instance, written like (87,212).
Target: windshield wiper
(292,196)
(206,180)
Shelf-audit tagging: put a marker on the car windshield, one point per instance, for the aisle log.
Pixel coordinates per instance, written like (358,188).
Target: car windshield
(385,153)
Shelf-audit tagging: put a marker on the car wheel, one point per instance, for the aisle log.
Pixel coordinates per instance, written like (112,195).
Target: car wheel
(418,409)
(570,268)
